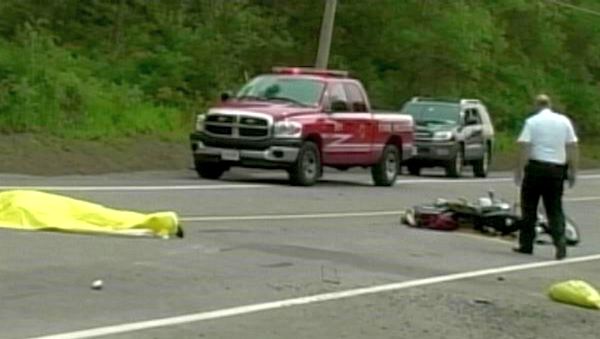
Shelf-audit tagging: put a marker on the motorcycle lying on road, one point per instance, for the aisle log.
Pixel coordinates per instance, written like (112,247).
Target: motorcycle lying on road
(489,215)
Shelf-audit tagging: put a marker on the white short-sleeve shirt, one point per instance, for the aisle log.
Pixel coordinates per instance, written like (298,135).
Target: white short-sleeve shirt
(548,133)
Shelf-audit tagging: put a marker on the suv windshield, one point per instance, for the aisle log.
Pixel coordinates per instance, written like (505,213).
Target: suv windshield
(298,91)
(428,113)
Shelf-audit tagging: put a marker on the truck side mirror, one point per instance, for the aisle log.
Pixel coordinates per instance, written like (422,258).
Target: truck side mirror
(226,96)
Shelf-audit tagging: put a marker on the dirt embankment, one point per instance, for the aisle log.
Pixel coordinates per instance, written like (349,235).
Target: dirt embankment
(45,155)
(49,156)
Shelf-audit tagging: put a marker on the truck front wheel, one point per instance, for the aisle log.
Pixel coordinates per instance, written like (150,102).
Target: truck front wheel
(210,170)
(386,170)
(307,168)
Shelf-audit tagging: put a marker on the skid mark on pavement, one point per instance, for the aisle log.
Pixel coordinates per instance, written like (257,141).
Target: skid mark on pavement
(478,236)
(319,298)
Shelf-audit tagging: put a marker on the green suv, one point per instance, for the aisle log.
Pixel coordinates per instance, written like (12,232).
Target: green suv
(451,133)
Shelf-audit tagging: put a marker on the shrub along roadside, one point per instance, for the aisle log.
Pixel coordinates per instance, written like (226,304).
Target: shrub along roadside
(46,88)
(111,69)
(505,151)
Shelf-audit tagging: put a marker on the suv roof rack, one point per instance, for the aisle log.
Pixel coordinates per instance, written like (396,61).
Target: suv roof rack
(310,71)
(436,99)
(447,100)
(470,101)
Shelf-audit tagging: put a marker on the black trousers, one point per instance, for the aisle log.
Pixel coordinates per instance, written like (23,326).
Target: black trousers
(546,181)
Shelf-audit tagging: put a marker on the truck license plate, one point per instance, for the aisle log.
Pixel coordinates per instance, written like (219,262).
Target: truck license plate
(230,155)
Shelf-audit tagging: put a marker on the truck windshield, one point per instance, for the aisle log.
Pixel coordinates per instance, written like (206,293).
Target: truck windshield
(298,91)
(433,113)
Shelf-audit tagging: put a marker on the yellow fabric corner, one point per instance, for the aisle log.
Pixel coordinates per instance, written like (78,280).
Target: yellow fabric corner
(575,292)
(33,210)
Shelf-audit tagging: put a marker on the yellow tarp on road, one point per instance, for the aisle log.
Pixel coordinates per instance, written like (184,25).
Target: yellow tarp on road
(33,210)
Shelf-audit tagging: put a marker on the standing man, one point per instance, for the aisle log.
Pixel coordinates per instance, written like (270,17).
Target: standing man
(548,156)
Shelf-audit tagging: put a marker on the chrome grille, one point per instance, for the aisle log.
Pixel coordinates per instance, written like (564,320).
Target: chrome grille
(253,132)
(237,126)
(219,130)
(221,119)
(248,121)
(424,136)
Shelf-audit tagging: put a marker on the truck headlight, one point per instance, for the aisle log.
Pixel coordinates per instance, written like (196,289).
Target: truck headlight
(443,136)
(200,122)
(287,129)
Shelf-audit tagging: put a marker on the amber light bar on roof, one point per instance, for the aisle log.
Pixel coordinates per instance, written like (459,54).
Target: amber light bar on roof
(310,71)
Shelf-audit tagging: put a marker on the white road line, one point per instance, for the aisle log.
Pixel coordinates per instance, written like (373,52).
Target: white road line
(581,199)
(452,181)
(236,311)
(291,216)
(135,188)
(86,188)
(474,181)
(127,188)
(589,176)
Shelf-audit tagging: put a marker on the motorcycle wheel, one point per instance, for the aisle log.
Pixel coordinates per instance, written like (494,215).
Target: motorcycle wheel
(572,233)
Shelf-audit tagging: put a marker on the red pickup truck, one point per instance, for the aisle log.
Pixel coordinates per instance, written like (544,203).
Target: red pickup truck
(300,120)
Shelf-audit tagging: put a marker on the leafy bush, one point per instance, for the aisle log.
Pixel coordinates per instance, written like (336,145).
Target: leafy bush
(104,68)
(45,88)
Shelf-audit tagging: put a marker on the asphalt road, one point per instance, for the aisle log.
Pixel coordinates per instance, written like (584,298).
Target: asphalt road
(285,252)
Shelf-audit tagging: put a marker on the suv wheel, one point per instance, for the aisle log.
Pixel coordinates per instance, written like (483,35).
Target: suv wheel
(307,168)
(455,166)
(386,170)
(210,170)
(481,166)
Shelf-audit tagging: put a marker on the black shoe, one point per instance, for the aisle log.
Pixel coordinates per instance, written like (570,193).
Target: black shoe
(521,250)
(561,252)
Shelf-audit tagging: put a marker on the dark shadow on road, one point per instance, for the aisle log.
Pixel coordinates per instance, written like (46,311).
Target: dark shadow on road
(285,182)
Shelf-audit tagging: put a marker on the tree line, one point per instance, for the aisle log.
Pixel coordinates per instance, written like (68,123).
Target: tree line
(97,68)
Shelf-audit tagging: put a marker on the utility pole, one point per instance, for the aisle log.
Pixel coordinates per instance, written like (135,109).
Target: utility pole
(326,34)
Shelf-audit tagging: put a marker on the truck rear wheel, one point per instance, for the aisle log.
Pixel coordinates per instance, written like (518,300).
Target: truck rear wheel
(211,171)
(386,170)
(307,168)
(481,166)
(454,167)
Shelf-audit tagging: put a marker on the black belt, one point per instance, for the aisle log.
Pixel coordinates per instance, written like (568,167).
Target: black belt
(546,164)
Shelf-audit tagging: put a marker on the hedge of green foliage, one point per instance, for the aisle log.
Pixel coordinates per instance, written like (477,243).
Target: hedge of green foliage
(106,68)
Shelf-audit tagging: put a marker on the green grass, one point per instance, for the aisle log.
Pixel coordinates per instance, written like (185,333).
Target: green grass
(590,153)
(505,143)
(506,151)
(45,88)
